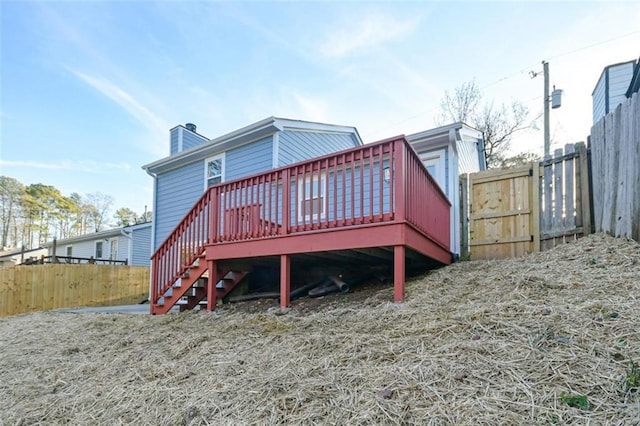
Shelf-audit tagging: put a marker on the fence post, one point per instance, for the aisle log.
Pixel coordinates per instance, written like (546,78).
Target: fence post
(464,217)
(585,199)
(535,205)
(399,179)
(54,258)
(286,201)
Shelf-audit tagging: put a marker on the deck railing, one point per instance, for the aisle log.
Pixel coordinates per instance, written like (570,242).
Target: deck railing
(181,248)
(375,183)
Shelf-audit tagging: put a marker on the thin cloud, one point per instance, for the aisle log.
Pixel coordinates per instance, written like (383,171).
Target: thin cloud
(371,31)
(126,101)
(78,166)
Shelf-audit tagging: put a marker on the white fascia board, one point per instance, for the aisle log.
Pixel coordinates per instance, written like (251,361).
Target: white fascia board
(137,226)
(223,143)
(87,237)
(309,126)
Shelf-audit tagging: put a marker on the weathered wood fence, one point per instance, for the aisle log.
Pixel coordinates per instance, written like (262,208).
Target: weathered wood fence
(525,209)
(615,149)
(565,207)
(44,287)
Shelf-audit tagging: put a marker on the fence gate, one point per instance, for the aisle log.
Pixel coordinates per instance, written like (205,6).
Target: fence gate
(536,207)
(504,213)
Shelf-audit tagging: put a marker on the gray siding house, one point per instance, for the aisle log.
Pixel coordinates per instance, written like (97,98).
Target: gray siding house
(447,152)
(612,87)
(129,243)
(196,162)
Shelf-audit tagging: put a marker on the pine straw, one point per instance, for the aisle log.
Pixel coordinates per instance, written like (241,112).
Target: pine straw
(482,343)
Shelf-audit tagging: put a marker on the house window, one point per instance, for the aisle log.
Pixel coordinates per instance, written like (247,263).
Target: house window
(69,251)
(98,249)
(214,170)
(311,193)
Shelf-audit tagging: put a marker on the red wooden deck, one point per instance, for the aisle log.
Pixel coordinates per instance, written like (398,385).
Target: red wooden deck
(377,195)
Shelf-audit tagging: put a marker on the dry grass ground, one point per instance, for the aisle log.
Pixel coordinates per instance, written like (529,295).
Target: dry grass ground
(545,339)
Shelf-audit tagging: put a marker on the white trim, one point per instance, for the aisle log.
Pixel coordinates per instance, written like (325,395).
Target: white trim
(454,214)
(220,156)
(322,183)
(276,150)
(112,255)
(436,158)
(180,139)
(153,212)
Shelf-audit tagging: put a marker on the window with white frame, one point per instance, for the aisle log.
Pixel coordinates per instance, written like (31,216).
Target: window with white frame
(69,251)
(311,196)
(98,249)
(214,170)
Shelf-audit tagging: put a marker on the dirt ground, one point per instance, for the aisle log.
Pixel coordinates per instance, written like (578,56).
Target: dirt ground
(552,338)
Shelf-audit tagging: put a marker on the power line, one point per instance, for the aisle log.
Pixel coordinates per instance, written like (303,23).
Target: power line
(560,55)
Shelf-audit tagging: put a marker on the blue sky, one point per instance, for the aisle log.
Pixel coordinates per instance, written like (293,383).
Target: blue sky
(89,90)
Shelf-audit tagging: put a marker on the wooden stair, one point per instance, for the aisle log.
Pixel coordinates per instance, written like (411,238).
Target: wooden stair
(226,282)
(192,287)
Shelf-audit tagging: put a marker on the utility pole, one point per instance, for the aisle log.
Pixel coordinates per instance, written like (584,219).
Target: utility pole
(547,132)
(555,99)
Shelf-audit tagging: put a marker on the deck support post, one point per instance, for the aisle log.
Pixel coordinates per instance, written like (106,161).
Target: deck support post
(285,280)
(398,273)
(212,280)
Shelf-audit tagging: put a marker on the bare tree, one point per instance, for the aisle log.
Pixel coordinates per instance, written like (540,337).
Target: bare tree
(98,206)
(461,105)
(498,123)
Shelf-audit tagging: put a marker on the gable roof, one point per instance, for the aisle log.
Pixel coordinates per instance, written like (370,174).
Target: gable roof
(244,135)
(448,134)
(107,233)
(607,68)
(441,134)
(15,251)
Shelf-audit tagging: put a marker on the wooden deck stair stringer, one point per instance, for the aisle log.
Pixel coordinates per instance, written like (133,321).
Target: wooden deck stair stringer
(189,277)
(226,281)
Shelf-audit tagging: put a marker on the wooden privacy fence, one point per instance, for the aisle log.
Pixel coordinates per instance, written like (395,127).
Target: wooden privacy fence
(44,287)
(525,209)
(615,150)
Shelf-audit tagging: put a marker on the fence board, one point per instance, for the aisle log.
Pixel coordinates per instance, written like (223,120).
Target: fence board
(53,286)
(557,193)
(546,191)
(615,144)
(569,218)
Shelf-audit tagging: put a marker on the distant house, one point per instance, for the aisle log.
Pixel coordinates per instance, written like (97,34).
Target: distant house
(17,256)
(196,162)
(129,243)
(447,152)
(616,83)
